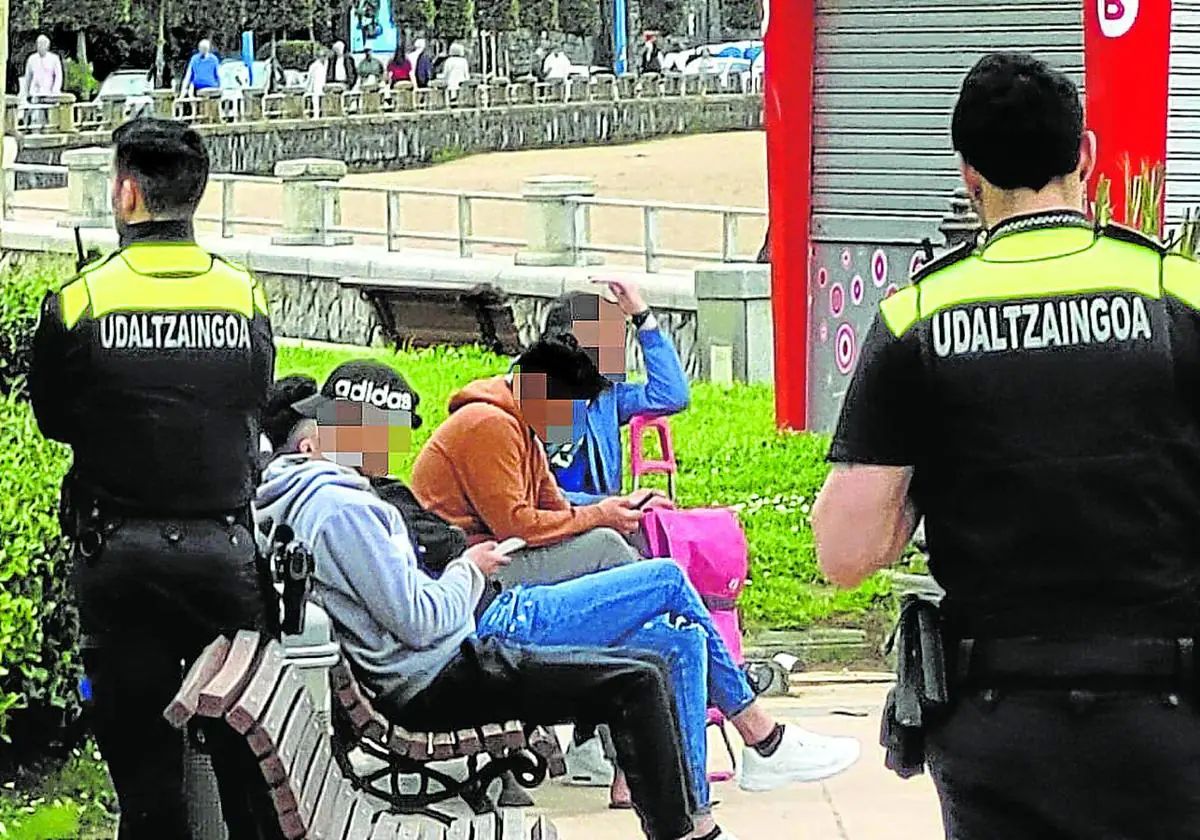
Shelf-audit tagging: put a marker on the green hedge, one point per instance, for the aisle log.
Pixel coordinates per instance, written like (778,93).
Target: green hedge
(39,666)
(23,284)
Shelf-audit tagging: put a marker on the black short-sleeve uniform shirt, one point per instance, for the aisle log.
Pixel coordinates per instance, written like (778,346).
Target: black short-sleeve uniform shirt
(154,364)
(1045,389)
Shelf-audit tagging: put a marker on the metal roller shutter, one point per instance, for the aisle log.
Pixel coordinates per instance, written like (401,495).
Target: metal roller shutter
(1183,110)
(886,77)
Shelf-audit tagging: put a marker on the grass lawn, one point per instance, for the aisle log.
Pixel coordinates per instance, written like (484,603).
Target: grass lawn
(71,803)
(729,453)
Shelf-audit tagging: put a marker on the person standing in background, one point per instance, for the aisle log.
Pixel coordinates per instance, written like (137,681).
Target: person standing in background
(370,69)
(456,68)
(43,77)
(421,64)
(201,70)
(650,56)
(341,67)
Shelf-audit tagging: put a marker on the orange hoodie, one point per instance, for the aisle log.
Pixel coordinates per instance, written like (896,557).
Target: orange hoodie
(484,471)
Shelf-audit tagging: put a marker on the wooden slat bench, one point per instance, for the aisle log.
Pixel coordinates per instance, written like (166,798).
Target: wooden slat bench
(531,753)
(248,682)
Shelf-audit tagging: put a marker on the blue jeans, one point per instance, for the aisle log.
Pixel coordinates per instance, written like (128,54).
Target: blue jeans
(648,606)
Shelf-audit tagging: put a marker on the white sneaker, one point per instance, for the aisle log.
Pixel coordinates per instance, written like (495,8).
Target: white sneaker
(587,766)
(802,756)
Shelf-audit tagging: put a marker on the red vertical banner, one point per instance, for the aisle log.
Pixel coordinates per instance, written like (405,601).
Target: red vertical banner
(789,119)
(1128,51)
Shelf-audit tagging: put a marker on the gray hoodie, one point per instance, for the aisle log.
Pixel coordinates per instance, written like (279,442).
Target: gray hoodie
(399,626)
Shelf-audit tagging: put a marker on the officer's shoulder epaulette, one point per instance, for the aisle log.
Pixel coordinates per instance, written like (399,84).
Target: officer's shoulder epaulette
(956,254)
(1112,230)
(234,264)
(87,268)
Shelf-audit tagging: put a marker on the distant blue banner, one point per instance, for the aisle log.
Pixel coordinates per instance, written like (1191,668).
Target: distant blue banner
(620,36)
(248,54)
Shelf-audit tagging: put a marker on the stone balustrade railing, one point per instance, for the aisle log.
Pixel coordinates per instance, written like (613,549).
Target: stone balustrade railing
(63,115)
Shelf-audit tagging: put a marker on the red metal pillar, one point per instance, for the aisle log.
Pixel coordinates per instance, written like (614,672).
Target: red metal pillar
(789,121)
(1128,47)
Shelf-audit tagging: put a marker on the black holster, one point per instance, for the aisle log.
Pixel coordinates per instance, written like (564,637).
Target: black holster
(921,691)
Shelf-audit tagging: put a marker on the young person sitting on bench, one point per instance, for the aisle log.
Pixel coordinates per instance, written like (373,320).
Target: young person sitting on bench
(591,649)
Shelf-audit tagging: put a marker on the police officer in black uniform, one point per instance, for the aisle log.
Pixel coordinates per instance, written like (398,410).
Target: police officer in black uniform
(154,364)
(1036,397)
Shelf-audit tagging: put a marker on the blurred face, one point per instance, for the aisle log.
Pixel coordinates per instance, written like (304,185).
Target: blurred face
(43,45)
(555,421)
(339,48)
(599,327)
(363,437)
(205,47)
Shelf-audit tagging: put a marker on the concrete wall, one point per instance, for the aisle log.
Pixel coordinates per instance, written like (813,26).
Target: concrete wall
(401,141)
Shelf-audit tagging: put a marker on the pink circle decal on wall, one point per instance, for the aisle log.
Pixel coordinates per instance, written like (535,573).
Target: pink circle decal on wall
(857,288)
(847,260)
(879,267)
(917,262)
(837,300)
(822,277)
(823,331)
(891,290)
(845,348)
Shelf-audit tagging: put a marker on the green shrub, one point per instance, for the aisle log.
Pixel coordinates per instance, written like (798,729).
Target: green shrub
(39,665)
(23,284)
(79,80)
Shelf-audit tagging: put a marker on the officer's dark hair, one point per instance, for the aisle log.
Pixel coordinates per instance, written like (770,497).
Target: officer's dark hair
(570,372)
(1018,121)
(167,160)
(279,419)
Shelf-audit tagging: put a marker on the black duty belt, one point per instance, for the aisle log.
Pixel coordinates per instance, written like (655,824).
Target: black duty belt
(1033,661)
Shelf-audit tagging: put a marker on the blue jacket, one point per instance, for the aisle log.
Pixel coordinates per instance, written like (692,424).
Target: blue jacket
(664,392)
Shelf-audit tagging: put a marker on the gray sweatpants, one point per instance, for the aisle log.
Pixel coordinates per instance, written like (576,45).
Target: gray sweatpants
(591,551)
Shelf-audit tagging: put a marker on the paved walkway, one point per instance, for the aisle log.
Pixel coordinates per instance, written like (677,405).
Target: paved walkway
(866,803)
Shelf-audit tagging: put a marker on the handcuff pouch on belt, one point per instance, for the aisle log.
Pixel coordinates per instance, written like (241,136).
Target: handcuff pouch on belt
(921,689)
(84,522)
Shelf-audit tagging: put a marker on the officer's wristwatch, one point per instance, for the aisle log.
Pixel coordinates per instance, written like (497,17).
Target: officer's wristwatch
(640,319)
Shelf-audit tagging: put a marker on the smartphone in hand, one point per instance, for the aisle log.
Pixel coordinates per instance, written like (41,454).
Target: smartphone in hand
(645,501)
(510,545)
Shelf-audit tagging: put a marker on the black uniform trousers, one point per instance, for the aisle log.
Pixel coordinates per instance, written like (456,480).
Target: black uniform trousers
(156,594)
(1057,764)
(491,681)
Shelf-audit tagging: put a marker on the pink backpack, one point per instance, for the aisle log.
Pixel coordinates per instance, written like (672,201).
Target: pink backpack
(710,546)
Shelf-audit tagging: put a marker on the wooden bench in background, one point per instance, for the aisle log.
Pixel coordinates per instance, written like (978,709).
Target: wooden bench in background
(248,682)
(531,753)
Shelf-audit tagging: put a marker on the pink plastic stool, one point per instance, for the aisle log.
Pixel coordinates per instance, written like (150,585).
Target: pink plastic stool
(639,465)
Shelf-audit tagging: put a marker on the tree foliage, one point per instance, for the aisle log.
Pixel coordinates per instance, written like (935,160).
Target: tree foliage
(454,19)
(579,17)
(539,15)
(497,15)
(413,14)
(741,14)
(663,15)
